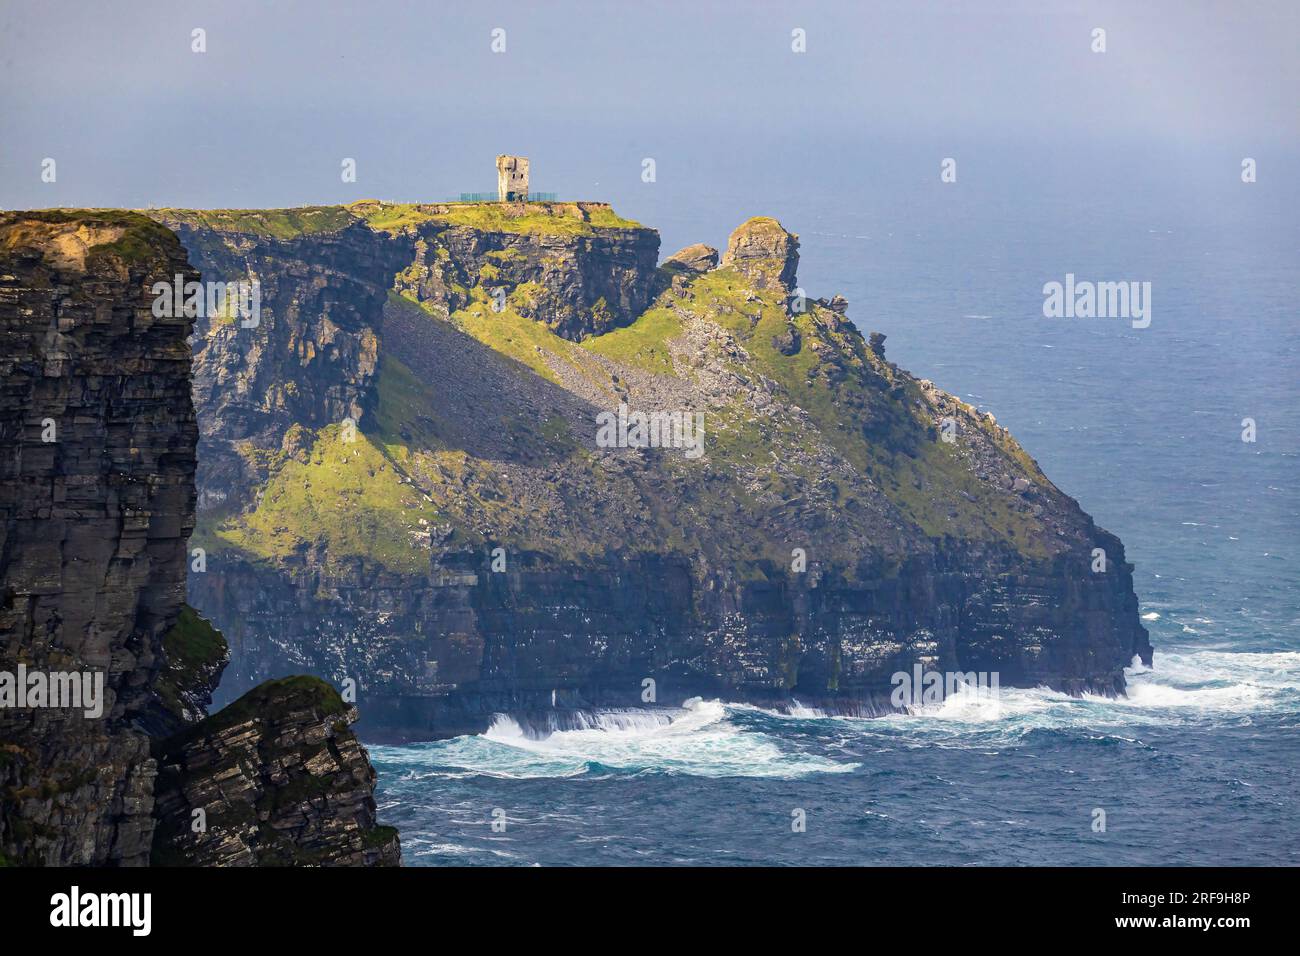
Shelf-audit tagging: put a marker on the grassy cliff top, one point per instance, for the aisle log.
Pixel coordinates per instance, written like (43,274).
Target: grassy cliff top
(563,218)
(275,223)
(559,218)
(821,444)
(68,237)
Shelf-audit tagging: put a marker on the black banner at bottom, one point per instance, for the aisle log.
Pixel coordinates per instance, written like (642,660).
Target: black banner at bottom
(338,906)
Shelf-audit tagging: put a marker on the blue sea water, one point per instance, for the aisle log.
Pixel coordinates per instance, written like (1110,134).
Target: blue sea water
(1201,763)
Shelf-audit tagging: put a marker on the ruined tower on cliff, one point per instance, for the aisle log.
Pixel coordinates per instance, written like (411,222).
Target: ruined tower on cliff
(512,178)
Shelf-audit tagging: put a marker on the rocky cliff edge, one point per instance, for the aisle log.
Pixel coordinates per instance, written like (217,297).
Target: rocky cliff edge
(97,494)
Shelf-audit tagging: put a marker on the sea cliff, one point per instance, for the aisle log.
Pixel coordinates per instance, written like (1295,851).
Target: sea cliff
(97,501)
(401,485)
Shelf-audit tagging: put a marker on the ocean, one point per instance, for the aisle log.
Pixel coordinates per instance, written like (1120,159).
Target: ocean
(1199,764)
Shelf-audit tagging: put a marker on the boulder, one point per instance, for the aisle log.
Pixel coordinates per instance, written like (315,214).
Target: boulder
(763,250)
(694,258)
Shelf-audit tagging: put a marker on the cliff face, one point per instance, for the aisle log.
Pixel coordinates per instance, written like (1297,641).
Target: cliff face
(471,547)
(310,358)
(564,270)
(93,522)
(97,499)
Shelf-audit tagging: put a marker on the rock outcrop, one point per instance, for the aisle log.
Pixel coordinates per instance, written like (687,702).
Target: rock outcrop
(275,779)
(194,656)
(577,278)
(97,499)
(761,249)
(472,548)
(694,258)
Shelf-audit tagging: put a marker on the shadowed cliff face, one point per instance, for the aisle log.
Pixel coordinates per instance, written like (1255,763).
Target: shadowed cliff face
(93,522)
(470,547)
(97,499)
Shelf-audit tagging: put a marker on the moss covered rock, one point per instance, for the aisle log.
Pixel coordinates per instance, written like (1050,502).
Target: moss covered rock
(195,653)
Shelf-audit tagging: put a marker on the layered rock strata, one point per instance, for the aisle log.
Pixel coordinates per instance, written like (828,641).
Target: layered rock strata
(99,657)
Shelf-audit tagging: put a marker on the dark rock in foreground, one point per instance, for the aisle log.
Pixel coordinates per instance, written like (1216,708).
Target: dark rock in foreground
(93,521)
(97,500)
(275,779)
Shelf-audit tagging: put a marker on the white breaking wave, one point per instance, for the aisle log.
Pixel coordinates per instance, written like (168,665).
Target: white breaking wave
(967,704)
(797,709)
(1223,682)
(1184,687)
(622,721)
(697,740)
(712,739)
(594,725)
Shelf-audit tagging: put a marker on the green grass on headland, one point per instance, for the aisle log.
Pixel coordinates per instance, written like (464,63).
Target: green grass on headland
(548,218)
(275,223)
(344,497)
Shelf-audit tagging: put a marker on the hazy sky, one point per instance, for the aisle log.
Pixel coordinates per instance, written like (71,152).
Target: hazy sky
(712,92)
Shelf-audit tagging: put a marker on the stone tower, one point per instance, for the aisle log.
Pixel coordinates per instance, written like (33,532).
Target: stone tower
(512,178)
